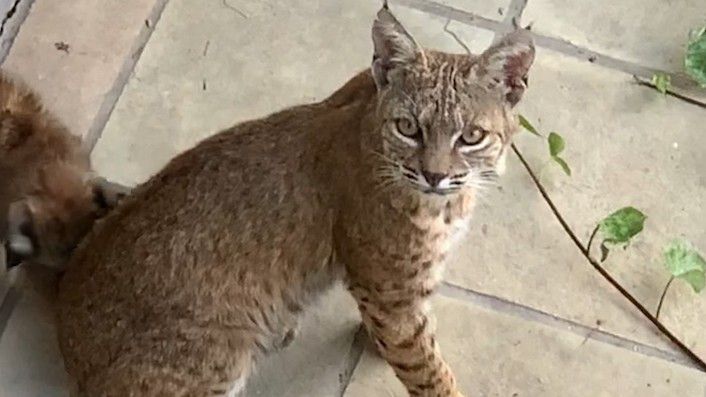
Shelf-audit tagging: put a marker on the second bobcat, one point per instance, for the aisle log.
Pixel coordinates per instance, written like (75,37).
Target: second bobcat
(49,196)
(208,265)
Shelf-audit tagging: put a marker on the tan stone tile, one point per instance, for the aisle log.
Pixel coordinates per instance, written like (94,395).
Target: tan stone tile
(495,9)
(648,32)
(313,365)
(99,36)
(516,250)
(627,145)
(495,354)
(278,56)
(30,362)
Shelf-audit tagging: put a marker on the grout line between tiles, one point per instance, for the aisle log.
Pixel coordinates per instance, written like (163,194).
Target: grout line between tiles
(111,97)
(531,314)
(556,44)
(352,359)
(11,25)
(514,11)
(454,14)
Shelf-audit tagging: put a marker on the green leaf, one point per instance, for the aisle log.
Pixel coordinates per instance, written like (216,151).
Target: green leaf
(662,81)
(684,262)
(563,164)
(528,126)
(622,225)
(556,144)
(604,252)
(695,60)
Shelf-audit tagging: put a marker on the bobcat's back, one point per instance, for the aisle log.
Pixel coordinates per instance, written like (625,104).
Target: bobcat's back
(220,252)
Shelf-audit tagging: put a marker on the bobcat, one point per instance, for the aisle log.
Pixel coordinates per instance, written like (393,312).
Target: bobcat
(48,196)
(206,266)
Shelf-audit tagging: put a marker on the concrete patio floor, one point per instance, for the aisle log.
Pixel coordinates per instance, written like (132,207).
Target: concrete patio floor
(522,313)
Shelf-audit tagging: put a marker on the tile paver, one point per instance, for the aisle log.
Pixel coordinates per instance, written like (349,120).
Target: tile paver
(627,145)
(517,251)
(277,57)
(211,64)
(649,32)
(30,364)
(313,365)
(99,35)
(494,10)
(495,354)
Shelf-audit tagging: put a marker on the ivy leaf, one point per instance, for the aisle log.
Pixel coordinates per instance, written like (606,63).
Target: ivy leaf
(556,144)
(528,126)
(622,225)
(662,81)
(695,60)
(684,262)
(563,164)
(604,252)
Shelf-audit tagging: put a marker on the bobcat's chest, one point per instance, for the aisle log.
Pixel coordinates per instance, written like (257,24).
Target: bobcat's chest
(407,239)
(440,226)
(434,237)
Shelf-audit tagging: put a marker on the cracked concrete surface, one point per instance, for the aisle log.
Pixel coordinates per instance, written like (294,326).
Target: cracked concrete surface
(9,10)
(13,14)
(521,308)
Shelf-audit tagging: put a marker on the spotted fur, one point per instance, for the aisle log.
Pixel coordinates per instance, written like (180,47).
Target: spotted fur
(207,266)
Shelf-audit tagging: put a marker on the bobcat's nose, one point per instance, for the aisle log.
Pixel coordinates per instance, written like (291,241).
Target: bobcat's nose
(433,178)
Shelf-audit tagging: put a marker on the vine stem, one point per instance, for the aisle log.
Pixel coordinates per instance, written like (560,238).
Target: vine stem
(661,298)
(647,83)
(662,328)
(590,239)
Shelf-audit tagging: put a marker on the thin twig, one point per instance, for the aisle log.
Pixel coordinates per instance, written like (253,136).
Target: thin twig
(661,298)
(590,239)
(235,9)
(455,36)
(643,82)
(689,353)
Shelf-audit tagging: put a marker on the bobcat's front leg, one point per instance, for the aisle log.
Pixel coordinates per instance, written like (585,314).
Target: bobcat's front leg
(404,334)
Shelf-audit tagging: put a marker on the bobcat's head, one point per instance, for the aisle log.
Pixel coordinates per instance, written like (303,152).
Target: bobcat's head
(446,120)
(45,227)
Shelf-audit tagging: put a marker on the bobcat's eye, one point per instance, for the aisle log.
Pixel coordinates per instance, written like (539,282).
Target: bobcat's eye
(407,127)
(473,138)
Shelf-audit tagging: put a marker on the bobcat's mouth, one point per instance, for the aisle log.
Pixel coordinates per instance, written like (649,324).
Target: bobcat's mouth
(440,192)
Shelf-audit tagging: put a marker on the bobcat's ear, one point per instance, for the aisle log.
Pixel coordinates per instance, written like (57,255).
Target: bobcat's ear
(394,47)
(21,235)
(504,66)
